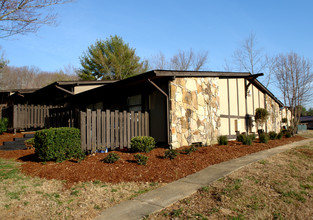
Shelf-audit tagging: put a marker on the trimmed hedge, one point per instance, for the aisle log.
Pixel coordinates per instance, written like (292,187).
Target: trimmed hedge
(142,144)
(58,144)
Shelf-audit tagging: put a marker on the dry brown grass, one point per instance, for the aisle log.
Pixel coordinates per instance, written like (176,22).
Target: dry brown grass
(280,187)
(24,197)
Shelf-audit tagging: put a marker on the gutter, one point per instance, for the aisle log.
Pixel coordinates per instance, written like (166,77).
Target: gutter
(167,110)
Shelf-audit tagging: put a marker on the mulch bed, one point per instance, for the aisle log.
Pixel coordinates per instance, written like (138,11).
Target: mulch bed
(126,169)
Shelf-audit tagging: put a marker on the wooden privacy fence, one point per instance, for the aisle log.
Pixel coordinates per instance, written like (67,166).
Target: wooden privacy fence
(40,116)
(106,129)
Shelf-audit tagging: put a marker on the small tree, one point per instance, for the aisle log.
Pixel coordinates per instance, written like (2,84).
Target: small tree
(261,116)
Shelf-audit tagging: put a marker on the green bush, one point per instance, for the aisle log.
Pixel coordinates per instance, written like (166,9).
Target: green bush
(288,134)
(252,136)
(171,154)
(279,135)
(141,159)
(240,137)
(3,125)
(30,141)
(247,140)
(58,144)
(222,140)
(190,150)
(264,138)
(111,158)
(142,144)
(272,135)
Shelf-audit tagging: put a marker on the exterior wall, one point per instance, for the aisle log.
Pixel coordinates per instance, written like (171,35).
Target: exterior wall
(285,113)
(236,107)
(274,120)
(79,89)
(194,111)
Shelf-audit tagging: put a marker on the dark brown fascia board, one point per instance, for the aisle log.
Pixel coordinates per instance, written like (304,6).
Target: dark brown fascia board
(20,90)
(200,73)
(64,90)
(86,82)
(259,85)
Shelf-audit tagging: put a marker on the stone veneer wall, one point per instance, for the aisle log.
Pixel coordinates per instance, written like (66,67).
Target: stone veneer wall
(274,119)
(194,111)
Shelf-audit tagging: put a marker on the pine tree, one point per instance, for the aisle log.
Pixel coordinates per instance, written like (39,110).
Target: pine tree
(111,59)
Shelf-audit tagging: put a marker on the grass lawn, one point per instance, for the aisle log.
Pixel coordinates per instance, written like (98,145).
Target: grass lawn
(23,197)
(280,187)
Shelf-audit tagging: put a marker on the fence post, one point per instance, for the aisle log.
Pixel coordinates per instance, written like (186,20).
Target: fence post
(116,128)
(125,129)
(103,129)
(128,130)
(132,122)
(121,127)
(15,118)
(83,130)
(93,131)
(99,142)
(88,129)
(108,141)
(146,123)
(112,130)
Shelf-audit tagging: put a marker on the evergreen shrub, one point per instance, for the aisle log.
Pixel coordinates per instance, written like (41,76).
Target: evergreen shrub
(141,159)
(142,144)
(222,140)
(58,144)
(3,125)
(264,138)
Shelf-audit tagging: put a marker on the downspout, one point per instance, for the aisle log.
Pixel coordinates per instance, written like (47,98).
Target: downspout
(167,110)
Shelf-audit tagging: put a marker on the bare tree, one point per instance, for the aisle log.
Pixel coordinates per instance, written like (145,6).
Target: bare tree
(182,60)
(248,57)
(294,78)
(30,77)
(24,16)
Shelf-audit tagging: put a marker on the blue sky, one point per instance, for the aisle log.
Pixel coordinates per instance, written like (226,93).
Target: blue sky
(217,26)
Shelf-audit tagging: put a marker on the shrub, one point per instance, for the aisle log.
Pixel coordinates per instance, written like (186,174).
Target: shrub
(3,125)
(261,115)
(288,134)
(264,138)
(30,141)
(222,140)
(279,135)
(58,144)
(190,150)
(252,136)
(141,159)
(247,140)
(142,144)
(111,158)
(171,154)
(240,137)
(272,135)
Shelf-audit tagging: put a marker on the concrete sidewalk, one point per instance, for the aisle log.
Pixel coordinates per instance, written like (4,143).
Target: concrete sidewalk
(163,197)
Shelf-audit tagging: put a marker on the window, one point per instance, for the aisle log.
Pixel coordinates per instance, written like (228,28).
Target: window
(134,103)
